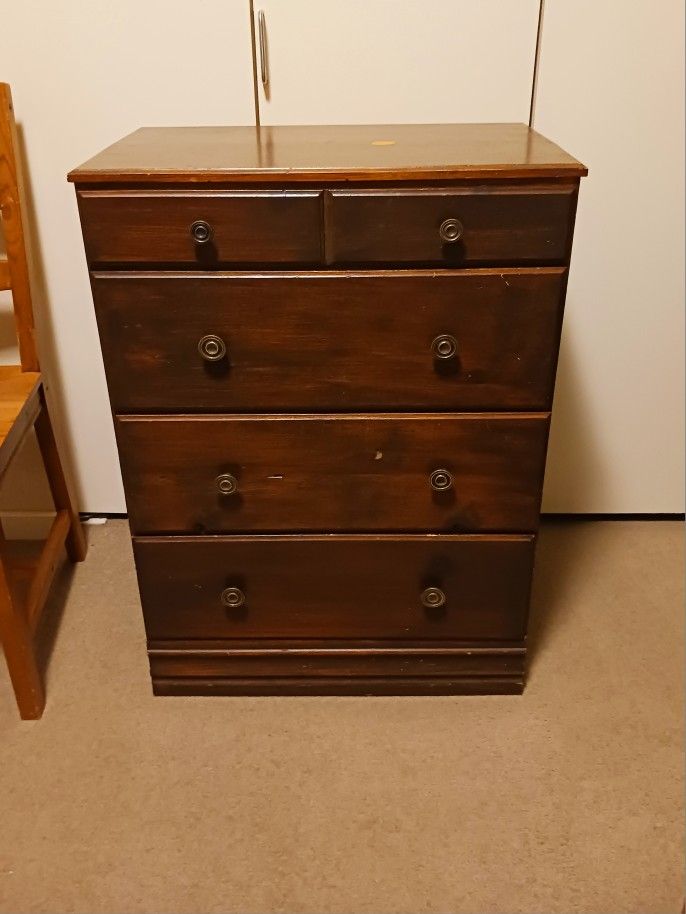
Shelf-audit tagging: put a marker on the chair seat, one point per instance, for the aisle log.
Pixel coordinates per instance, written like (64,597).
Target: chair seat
(19,405)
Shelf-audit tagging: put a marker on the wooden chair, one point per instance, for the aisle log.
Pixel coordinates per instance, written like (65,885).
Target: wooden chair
(24,589)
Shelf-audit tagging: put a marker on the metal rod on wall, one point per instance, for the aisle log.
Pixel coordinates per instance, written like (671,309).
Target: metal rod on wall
(537,54)
(256,93)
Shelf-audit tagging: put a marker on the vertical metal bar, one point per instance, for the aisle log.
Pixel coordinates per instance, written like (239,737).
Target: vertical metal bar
(262,33)
(256,94)
(537,55)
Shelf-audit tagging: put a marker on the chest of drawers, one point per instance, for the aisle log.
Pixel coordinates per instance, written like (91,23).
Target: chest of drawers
(330,354)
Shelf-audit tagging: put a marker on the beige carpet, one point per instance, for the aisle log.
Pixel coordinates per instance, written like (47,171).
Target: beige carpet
(568,799)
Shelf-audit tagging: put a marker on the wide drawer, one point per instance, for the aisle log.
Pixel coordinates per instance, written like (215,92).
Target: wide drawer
(232,227)
(235,473)
(367,340)
(396,587)
(466,225)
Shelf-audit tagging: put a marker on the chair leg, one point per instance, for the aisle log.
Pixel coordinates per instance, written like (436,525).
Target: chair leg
(76,539)
(17,643)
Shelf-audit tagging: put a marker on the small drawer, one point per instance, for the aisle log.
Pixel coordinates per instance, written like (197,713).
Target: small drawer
(452,226)
(390,587)
(462,339)
(200,228)
(231,474)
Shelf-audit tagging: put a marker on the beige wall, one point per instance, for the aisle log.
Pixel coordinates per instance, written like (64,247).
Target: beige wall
(611,91)
(83,74)
(398,61)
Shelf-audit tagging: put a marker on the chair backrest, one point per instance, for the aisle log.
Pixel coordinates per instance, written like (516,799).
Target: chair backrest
(14,271)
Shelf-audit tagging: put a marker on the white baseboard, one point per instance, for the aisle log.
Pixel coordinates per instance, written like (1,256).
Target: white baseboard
(23,525)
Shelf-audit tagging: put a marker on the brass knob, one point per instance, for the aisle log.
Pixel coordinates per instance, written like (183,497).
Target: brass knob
(441,480)
(433,598)
(212,348)
(233,597)
(451,230)
(202,232)
(226,484)
(444,347)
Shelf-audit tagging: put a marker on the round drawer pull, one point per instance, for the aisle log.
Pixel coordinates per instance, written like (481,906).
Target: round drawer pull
(233,597)
(433,598)
(444,347)
(441,480)
(451,230)
(212,348)
(227,484)
(202,232)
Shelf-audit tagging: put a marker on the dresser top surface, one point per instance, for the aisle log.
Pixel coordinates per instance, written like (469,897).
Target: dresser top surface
(335,153)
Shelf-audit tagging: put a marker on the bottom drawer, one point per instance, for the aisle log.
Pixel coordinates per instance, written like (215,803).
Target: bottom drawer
(343,586)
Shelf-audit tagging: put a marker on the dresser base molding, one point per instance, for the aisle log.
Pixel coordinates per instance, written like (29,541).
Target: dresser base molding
(380,669)
(502,685)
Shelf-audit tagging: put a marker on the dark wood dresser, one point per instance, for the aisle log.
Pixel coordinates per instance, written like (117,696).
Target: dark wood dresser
(331,354)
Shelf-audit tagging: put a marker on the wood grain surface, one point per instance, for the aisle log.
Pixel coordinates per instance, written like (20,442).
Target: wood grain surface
(155,226)
(354,473)
(335,587)
(502,224)
(295,153)
(330,341)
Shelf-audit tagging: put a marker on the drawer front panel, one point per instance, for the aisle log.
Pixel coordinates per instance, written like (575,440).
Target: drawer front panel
(310,587)
(349,473)
(331,342)
(489,224)
(243,227)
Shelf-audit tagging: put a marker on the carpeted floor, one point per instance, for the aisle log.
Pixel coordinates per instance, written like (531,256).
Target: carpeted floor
(567,799)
